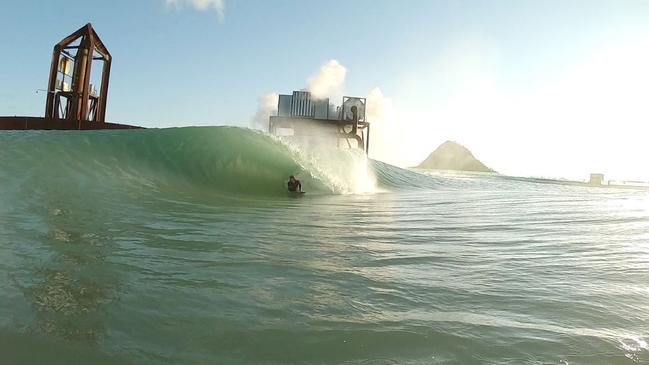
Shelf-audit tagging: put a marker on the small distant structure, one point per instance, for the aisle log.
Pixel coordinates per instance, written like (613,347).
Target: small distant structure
(300,116)
(596,179)
(73,101)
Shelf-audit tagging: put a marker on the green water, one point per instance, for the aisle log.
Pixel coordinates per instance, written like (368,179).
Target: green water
(181,246)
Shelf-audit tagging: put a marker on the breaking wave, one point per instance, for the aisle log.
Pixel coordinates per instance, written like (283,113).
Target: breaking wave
(225,160)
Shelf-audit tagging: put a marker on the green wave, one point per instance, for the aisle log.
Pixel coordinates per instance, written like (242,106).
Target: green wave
(220,160)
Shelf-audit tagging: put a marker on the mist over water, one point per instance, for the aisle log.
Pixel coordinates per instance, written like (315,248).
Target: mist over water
(181,246)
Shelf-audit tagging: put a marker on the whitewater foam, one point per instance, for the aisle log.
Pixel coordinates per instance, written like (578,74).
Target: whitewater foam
(342,171)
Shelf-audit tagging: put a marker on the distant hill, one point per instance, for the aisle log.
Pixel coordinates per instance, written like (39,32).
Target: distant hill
(453,156)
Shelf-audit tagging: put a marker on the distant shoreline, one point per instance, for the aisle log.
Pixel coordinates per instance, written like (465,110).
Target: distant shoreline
(633,185)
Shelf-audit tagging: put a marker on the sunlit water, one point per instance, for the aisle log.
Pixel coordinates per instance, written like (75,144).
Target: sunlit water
(108,261)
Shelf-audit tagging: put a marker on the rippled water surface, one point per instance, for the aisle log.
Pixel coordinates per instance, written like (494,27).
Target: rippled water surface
(459,270)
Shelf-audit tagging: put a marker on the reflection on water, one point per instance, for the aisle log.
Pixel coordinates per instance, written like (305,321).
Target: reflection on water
(498,273)
(70,283)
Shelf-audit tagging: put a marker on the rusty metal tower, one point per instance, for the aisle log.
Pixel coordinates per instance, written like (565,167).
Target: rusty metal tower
(70,93)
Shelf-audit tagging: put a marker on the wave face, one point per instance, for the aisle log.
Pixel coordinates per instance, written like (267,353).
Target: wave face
(225,160)
(180,246)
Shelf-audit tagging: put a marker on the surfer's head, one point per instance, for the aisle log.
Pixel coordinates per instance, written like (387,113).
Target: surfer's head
(291,177)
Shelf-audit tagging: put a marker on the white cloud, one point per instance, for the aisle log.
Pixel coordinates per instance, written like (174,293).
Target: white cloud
(201,5)
(385,133)
(329,81)
(266,106)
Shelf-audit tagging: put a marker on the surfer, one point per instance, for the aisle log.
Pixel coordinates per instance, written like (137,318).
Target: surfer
(294,184)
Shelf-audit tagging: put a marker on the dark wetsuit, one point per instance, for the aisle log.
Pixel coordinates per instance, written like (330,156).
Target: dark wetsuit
(294,185)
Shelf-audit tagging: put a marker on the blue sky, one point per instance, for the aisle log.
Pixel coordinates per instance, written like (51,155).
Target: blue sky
(184,66)
(489,74)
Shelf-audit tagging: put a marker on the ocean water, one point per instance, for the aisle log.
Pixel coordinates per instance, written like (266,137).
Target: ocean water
(180,246)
